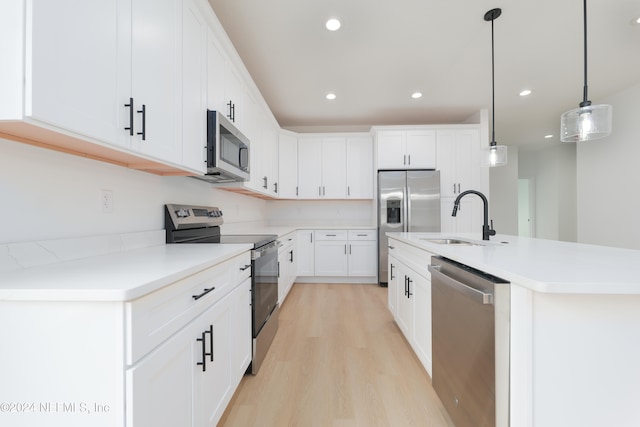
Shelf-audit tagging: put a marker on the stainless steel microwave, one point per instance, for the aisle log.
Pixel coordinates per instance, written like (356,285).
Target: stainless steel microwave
(227,151)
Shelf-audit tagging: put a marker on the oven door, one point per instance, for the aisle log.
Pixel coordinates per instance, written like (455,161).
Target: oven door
(265,284)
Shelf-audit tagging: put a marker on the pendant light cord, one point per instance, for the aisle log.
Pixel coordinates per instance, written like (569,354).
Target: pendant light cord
(585,100)
(493,91)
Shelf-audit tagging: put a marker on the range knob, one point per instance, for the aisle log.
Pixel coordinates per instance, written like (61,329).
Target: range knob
(182,213)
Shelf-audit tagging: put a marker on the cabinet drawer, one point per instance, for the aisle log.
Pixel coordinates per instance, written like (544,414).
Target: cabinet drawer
(331,234)
(362,234)
(242,267)
(153,318)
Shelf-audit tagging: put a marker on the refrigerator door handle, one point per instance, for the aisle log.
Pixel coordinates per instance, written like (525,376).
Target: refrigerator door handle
(407,209)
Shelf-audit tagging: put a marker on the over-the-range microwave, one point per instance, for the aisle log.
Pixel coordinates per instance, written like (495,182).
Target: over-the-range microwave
(227,151)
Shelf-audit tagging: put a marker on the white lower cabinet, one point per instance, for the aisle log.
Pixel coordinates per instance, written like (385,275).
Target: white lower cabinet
(306,253)
(410,298)
(165,359)
(343,253)
(286,265)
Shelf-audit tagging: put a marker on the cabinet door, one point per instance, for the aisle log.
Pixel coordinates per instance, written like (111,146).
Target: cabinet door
(359,168)
(421,149)
(469,218)
(233,94)
(309,168)
(211,368)
(73,67)
(331,258)
(466,161)
(392,283)
(159,388)
(363,259)
(421,288)
(155,77)
(391,149)
(215,75)
(306,253)
(287,166)
(446,159)
(334,168)
(404,313)
(240,337)
(194,87)
(270,141)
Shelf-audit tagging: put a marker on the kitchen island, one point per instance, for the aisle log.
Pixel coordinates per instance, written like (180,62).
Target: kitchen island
(573,325)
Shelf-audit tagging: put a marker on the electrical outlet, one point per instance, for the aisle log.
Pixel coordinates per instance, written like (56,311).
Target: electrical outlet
(106,201)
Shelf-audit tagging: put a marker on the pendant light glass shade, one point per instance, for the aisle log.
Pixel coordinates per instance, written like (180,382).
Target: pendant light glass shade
(586,123)
(495,155)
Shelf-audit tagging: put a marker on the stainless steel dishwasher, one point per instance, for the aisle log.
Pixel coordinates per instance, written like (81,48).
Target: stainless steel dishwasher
(470,332)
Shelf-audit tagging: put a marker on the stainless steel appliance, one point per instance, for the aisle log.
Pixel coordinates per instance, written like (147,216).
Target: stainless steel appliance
(227,151)
(469,369)
(407,201)
(201,224)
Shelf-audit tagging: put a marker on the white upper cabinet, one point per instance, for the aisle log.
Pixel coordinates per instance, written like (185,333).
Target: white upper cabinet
(287,165)
(359,167)
(309,167)
(155,71)
(406,149)
(119,80)
(72,74)
(336,166)
(459,161)
(322,168)
(194,86)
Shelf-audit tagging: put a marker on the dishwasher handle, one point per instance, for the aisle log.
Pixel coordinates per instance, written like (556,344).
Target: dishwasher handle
(477,295)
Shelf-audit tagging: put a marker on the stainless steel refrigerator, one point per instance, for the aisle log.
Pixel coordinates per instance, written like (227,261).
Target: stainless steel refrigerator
(407,201)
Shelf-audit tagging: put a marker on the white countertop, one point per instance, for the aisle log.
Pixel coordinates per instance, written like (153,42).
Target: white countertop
(121,276)
(542,265)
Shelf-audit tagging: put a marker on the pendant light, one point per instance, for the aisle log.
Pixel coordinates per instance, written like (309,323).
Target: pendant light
(495,155)
(588,121)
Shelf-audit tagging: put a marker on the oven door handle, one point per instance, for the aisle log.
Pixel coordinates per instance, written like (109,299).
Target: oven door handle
(257,253)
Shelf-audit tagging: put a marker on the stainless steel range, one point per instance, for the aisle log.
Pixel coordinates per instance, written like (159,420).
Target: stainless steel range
(201,224)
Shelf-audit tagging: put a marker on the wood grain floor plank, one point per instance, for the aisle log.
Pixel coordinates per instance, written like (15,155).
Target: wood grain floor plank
(338,360)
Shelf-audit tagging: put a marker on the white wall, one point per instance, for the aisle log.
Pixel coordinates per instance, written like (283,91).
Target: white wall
(50,195)
(608,176)
(503,203)
(322,213)
(554,171)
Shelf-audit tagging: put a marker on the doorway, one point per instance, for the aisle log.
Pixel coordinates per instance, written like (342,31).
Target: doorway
(526,207)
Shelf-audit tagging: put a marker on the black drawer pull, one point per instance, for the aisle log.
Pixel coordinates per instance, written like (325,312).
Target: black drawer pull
(144,122)
(245,267)
(206,291)
(130,106)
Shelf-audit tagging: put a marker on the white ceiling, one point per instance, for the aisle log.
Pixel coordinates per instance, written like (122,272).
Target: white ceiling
(386,50)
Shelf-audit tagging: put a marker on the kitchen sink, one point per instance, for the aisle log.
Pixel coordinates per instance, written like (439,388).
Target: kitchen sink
(456,242)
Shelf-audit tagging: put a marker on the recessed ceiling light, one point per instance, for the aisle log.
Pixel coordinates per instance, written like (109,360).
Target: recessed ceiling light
(525,92)
(333,24)
(331,96)
(635,21)
(548,136)
(416,95)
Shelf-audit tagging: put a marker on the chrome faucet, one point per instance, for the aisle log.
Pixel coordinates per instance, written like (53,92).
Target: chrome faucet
(486,229)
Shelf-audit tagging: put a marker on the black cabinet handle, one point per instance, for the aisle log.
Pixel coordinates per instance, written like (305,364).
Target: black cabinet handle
(130,106)
(202,339)
(278,269)
(291,255)
(232,111)
(265,179)
(405,285)
(144,122)
(275,187)
(210,332)
(409,281)
(392,272)
(245,267)
(206,291)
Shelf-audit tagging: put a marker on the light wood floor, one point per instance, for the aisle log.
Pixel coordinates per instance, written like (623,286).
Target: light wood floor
(338,359)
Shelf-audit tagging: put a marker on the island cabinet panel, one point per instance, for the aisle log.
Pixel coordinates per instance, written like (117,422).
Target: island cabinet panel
(409,297)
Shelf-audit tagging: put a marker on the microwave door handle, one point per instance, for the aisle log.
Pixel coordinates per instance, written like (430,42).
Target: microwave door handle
(240,157)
